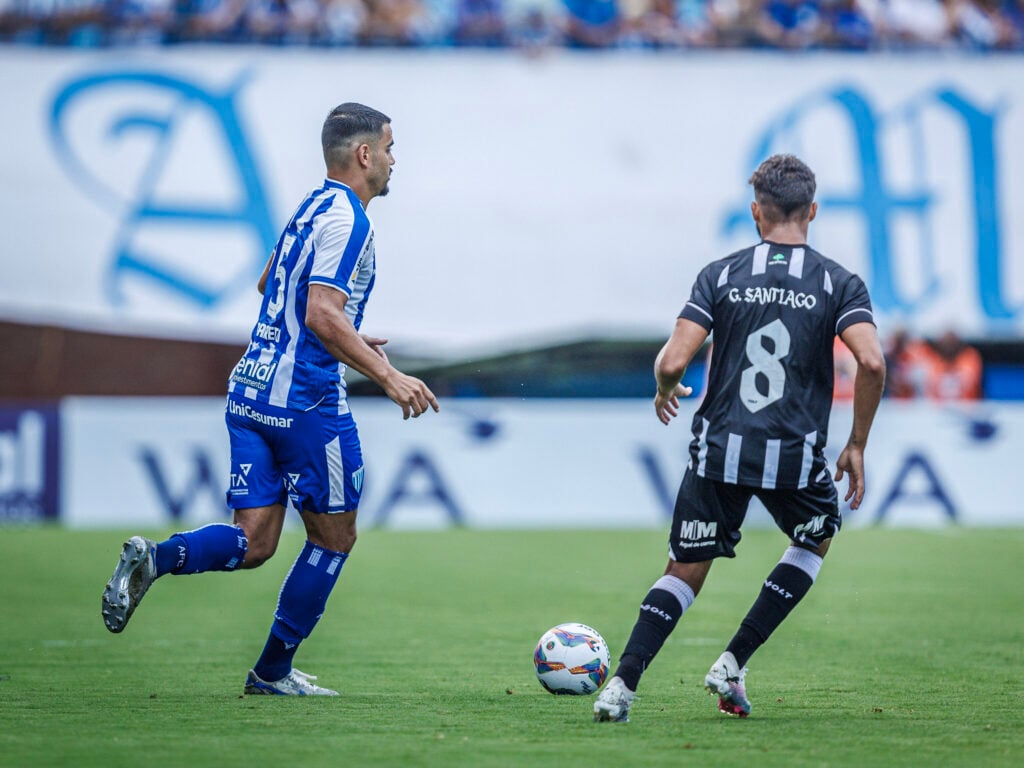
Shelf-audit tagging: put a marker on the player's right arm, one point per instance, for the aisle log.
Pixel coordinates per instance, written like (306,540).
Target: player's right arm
(869,381)
(670,365)
(325,316)
(262,284)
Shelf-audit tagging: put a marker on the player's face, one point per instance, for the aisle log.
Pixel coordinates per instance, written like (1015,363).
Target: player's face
(382,160)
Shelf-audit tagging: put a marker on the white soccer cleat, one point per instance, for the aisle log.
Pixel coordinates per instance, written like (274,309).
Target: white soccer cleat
(296,683)
(727,680)
(135,573)
(612,705)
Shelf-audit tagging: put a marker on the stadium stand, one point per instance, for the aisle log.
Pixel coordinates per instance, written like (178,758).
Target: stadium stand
(981,25)
(55,362)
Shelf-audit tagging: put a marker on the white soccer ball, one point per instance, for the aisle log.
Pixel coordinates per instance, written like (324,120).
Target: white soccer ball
(571,659)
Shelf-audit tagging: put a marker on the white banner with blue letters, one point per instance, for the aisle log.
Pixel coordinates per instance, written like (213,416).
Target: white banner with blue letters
(155,463)
(533,198)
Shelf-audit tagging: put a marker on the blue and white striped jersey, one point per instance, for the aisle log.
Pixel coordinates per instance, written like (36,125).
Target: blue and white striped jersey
(329,241)
(774,311)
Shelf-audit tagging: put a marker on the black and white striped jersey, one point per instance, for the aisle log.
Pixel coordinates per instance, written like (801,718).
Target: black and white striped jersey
(774,311)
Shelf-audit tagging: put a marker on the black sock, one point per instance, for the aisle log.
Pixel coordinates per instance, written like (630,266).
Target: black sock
(782,590)
(630,669)
(659,614)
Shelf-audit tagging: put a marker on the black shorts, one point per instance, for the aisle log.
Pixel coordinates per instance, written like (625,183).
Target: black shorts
(708,515)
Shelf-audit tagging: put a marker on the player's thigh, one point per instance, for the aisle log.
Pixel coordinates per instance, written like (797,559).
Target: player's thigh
(707,518)
(255,480)
(323,462)
(809,516)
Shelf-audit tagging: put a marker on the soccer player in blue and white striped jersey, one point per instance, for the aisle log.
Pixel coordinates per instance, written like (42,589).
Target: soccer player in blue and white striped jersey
(775,309)
(292,435)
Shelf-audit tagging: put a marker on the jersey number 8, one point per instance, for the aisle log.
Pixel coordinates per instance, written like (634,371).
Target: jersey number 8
(765,363)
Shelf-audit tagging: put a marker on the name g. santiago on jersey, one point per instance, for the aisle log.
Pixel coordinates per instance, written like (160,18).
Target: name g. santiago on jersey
(774,311)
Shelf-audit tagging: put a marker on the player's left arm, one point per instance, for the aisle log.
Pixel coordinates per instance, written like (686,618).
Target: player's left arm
(670,365)
(868,383)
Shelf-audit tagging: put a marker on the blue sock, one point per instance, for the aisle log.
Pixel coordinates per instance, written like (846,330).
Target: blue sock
(216,547)
(170,555)
(299,607)
(276,660)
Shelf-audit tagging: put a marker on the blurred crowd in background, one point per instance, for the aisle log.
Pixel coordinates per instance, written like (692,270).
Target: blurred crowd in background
(943,369)
(982,25)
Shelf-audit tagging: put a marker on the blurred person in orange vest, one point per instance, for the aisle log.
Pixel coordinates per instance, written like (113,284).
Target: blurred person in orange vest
(952,369)
(907,360)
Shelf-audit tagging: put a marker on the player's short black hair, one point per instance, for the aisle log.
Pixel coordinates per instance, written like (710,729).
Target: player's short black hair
(784,188)
(350,121)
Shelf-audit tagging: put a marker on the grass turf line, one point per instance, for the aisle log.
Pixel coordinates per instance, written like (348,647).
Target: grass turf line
(906,653)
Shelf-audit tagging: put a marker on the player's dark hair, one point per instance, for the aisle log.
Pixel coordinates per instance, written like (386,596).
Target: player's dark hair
(784,188)
(347,122)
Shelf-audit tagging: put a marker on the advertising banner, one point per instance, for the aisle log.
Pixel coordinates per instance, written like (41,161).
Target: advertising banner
(555,464)
(29,463)
(546,198)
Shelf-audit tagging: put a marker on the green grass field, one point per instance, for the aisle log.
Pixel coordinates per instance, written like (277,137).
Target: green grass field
(907,652)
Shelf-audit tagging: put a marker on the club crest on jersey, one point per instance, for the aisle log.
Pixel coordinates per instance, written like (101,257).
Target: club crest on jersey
(364,256)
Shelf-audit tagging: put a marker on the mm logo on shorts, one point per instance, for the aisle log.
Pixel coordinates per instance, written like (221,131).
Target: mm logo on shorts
(696,533)
(814,527)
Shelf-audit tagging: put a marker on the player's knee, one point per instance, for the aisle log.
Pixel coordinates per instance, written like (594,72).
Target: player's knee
(343,540)
(692,573)
(821,550)
(336,532)
(258,553)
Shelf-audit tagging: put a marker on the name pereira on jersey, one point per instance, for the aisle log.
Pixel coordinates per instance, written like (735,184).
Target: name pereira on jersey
(268,332)
(783,296)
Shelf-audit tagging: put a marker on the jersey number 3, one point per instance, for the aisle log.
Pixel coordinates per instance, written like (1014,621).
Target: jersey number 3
(276,303)
(766,364)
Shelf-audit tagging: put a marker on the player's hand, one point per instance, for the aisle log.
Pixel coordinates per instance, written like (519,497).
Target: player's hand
(851,461)
(410,394)
(376,345)
(667,406)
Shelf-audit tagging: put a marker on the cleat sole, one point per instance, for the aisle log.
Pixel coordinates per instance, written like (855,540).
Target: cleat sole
(117,605)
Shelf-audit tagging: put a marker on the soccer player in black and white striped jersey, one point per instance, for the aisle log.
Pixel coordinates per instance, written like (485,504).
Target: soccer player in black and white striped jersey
(775,309)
